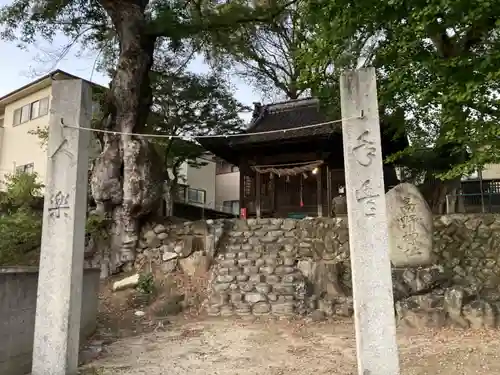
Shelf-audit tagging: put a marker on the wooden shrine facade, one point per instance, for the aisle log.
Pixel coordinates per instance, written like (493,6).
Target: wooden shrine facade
(291,190)
(289,167)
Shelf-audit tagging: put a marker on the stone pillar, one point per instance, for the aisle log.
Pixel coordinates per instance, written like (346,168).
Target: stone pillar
(57,324)
(368,227)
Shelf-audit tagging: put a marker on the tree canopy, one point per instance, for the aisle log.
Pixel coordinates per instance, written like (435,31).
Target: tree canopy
(126,181)
(438,63)
(267,55)
(188,105)
(93,23)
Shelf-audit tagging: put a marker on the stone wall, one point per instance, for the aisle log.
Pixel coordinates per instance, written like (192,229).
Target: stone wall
(468,247)
(18,291)
(287,266)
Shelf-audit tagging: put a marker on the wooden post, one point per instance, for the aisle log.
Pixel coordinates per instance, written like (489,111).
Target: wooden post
(242,188)
(328,191)
(272,184)
(319,191)
(377,352)
(257,194)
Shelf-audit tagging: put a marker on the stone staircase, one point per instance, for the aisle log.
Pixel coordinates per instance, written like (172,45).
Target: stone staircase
(255,271)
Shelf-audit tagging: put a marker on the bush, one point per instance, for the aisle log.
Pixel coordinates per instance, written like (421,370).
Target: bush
(146,283)
(21,218)
(23,191)
(20,222)
(97,226)
(20,232)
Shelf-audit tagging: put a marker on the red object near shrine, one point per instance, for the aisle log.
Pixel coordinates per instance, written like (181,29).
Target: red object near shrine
(243,213)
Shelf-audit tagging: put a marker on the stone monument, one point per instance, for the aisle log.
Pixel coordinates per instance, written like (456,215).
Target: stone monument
(59,299)
(376,346)
(410,226)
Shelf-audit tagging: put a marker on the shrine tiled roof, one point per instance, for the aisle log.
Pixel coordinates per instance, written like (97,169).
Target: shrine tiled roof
(291,121)
(281,121)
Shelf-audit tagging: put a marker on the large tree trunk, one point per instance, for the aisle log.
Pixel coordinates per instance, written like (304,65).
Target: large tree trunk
(126,184)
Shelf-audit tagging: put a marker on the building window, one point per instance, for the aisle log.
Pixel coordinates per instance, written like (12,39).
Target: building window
(26,168)
(231,206)
(22,114)
(44,106)
(196,196)
(17,117)
(35,109)
(31,111)
(39,108)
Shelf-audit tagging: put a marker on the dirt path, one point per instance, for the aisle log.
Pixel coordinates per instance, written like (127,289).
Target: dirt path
(216,347)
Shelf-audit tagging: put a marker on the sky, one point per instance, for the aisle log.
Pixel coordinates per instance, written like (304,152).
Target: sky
(19,67)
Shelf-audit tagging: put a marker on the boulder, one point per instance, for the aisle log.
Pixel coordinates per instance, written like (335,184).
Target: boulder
(159,228)
(151,239)
(453,304)
(169,256)
(200,227)
(169,266)
(480,314)
(128,282)
(196,264)
(327,280)
(410,226)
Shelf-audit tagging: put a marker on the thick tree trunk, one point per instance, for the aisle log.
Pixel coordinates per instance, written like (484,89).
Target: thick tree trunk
(126,183)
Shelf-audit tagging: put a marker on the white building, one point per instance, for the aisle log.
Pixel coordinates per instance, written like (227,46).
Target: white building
(214,185)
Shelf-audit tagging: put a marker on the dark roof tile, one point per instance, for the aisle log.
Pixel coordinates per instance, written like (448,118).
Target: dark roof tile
(288,115)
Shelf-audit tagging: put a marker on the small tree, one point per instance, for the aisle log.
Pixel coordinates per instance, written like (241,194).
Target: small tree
(23,191)
(188,105)
(20,217)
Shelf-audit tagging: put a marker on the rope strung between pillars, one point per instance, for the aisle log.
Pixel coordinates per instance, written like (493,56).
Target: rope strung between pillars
(293,169)
(290,171)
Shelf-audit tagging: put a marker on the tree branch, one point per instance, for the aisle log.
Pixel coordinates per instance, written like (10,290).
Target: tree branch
(159,28)
(476,33)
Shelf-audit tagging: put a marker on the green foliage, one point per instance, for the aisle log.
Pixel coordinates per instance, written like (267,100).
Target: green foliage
(146,284)
(20,221)
(97,226)
(42,133)
(20,233)
(438,66)
(267,55)
(189,105)
(22,191)
(90,22)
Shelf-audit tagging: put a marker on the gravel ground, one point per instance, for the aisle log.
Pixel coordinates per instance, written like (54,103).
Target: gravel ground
(219,347)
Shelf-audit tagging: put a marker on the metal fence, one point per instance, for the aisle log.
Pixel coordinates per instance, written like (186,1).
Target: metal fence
(475,196)
(189,195)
